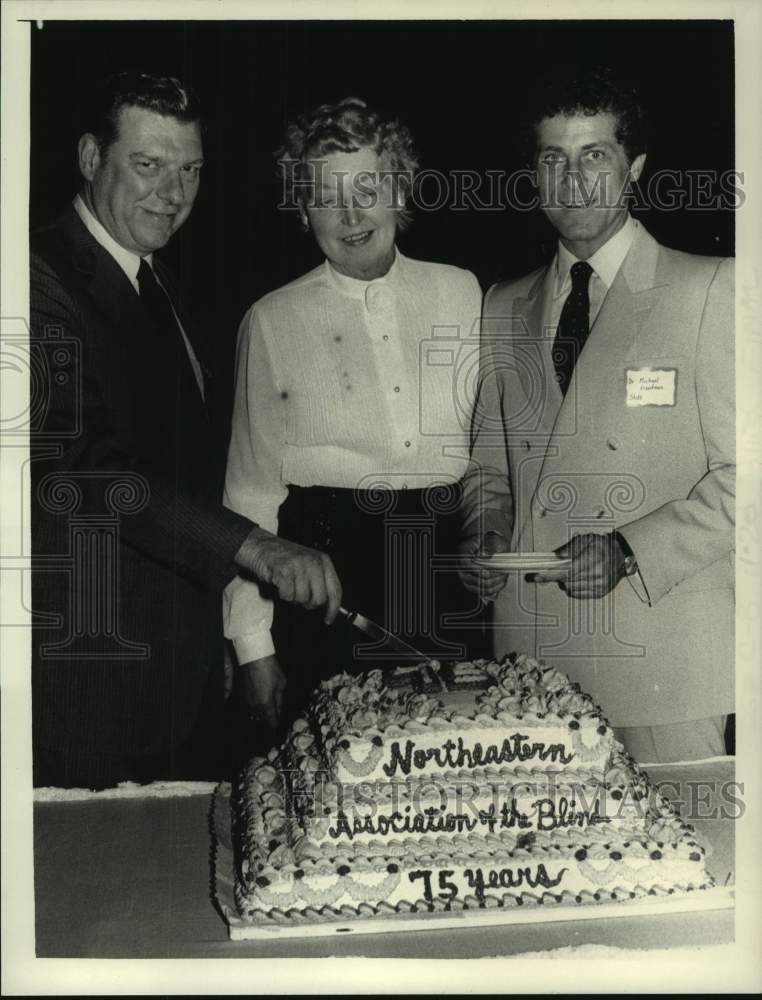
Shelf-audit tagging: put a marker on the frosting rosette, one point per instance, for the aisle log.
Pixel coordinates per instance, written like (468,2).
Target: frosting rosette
(387,800)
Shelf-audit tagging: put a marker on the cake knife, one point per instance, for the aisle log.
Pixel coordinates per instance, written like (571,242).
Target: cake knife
(393,642)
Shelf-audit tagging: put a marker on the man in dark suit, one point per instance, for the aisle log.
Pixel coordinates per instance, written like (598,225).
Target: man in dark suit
(132,546)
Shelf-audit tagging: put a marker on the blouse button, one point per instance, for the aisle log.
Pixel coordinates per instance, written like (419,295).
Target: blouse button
(379,298)
(407,444)
(386,336)
(396,388)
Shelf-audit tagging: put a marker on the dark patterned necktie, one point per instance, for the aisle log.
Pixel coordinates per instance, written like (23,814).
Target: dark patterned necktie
(573,326)
(156,302)
(171,345)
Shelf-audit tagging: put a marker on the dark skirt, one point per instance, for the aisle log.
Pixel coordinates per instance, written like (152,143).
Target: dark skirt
(394,552)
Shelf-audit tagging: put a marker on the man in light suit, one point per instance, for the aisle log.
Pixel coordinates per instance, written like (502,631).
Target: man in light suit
(132,546)
(604,431)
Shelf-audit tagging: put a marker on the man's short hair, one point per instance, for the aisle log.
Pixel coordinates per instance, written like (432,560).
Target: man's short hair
(346,127)
(165,95)
(573,89)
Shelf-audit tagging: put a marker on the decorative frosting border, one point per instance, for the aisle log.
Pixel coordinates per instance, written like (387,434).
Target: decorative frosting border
(529,900)
(272,839)
(352,712)
(279,865)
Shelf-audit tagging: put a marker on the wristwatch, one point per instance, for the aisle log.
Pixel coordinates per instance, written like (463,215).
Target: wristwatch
(630,562)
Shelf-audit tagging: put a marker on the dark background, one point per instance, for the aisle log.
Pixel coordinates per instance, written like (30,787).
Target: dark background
(458,85)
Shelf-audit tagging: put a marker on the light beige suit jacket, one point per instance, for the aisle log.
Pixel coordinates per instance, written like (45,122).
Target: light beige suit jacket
(660,647)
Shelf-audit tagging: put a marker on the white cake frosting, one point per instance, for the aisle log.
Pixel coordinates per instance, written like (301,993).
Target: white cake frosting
(385,800)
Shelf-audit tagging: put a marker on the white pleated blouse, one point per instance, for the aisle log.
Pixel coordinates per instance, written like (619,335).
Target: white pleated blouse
(347,383)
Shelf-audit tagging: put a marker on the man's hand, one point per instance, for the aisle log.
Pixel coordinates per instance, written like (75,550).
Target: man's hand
(486,582)
(261,684)
(299,574)
(598,564)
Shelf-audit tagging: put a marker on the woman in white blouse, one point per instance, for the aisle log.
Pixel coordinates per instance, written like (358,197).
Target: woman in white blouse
(348,431)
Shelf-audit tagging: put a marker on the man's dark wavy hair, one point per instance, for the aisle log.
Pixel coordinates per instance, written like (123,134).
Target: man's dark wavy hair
(164,95)
(573,89)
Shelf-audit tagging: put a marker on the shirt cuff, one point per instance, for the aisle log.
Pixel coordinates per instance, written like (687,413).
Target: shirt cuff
(254,646)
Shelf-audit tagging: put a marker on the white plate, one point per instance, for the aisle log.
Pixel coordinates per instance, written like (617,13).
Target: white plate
(522,561)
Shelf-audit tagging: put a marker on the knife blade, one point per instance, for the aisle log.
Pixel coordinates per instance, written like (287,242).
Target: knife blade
(377,632)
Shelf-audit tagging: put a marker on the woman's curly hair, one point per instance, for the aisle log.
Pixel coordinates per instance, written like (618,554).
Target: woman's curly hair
(346,127)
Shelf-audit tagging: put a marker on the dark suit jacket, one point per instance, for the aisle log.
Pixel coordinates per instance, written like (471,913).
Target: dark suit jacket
(131,544)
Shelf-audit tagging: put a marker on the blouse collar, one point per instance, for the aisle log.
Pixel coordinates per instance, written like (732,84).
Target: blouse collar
(372,293)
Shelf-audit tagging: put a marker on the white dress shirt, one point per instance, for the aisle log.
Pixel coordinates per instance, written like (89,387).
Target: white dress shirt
(346,383)
(605,263)
(130,264)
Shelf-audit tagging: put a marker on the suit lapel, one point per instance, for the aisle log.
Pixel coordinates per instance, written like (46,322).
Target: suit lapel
(111,292)
(617,329)
(647,282)
(530,313)
(191,330)
(106,284)
(612,342)
(533,310)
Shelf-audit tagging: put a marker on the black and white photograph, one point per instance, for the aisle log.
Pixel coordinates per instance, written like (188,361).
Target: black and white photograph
(378,583)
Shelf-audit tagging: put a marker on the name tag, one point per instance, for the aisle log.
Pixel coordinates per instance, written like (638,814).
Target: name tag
(651,386)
